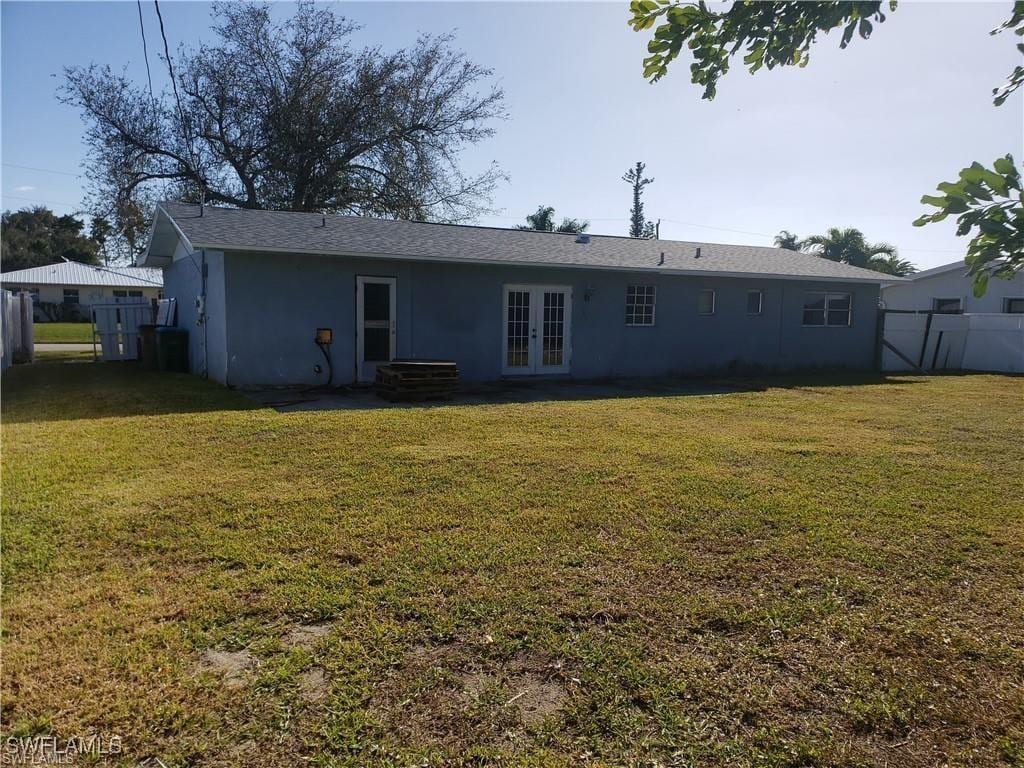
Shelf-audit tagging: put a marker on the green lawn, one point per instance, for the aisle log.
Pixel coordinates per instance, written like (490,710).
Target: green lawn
(62,333)
(63,356)
(807,575)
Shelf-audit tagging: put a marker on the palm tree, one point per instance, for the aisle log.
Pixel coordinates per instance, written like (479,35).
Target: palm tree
(786,239)
(847,246)
(892,265)
(544,220)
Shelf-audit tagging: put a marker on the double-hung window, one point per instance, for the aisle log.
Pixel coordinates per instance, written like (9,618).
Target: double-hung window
(828,309)
(70,295)
(640,304)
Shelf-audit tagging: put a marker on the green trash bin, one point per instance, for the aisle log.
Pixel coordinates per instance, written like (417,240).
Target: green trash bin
(172,349)
(147,346)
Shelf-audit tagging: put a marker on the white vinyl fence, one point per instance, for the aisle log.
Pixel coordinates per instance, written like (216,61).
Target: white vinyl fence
(16,343)
(971,342)
(116,326)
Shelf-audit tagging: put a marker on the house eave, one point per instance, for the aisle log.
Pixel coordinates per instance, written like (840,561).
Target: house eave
(151,259)
(655,270)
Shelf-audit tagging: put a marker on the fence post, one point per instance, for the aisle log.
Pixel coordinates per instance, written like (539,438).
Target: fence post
(27,328)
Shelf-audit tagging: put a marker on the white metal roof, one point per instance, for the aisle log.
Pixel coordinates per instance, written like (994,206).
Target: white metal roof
(231,229)
(74,273)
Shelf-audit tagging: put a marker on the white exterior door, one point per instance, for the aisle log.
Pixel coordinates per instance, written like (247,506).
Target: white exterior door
(537,329)
(375,324)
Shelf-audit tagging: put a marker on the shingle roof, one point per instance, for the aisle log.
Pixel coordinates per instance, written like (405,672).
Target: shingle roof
(73,273)
(286,232)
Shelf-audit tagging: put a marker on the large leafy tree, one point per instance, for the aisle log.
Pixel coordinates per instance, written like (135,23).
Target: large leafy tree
(290,116)
(779,34)
(543,220)
(848,246)
(991,201)
(35,237)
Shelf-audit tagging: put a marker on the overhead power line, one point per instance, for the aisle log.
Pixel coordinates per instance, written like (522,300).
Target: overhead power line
(177,97)
(5,196)
(145,50)
(42,170)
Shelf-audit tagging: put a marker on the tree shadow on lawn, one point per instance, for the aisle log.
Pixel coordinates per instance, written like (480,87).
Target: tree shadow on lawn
(85,390)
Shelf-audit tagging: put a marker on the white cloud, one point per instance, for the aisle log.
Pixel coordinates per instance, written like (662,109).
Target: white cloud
(25,188)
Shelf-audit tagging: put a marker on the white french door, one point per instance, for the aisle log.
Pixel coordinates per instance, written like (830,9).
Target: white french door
(375,324)
(537,328)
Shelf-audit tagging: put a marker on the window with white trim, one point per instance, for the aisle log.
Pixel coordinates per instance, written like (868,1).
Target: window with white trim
(1014,305)
(755,302)
(828,309)
(640,304)
(70,295)
(706,302)
(947,305)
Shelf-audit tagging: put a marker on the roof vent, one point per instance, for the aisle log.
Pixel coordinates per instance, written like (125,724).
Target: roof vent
(697,254)
(582,238)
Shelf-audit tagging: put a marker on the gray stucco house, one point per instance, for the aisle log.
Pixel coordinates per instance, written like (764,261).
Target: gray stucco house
(253,288)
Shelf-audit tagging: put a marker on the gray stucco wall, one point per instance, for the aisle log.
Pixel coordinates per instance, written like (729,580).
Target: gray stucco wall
(275,302)
(918,294)
(207,341)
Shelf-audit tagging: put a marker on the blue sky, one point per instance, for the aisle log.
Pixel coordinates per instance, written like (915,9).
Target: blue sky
(854,139)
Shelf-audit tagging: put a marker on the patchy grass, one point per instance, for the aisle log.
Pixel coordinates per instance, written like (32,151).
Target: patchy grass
(62,333)
(807,575)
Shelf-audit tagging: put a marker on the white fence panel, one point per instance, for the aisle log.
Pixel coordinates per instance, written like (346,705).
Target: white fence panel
(996,343)
(117,327)
(17,343)
(6,330)
(976,342)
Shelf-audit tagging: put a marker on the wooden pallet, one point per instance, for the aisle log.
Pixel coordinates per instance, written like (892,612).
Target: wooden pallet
(417,379)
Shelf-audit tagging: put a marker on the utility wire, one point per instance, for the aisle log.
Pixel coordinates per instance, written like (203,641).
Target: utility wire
(42,170)
(145,50)
(177,97)
(5,196)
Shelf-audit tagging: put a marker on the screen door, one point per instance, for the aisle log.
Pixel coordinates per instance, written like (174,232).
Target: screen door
(375,324)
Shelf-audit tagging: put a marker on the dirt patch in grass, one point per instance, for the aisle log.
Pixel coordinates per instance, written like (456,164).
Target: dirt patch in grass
(235,667)
(466,693)
(537,690)
(306,635)
(314,685)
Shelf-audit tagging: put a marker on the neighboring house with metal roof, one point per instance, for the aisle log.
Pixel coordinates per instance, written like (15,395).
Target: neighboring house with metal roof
(73,287)
(253,288)
(949,289)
